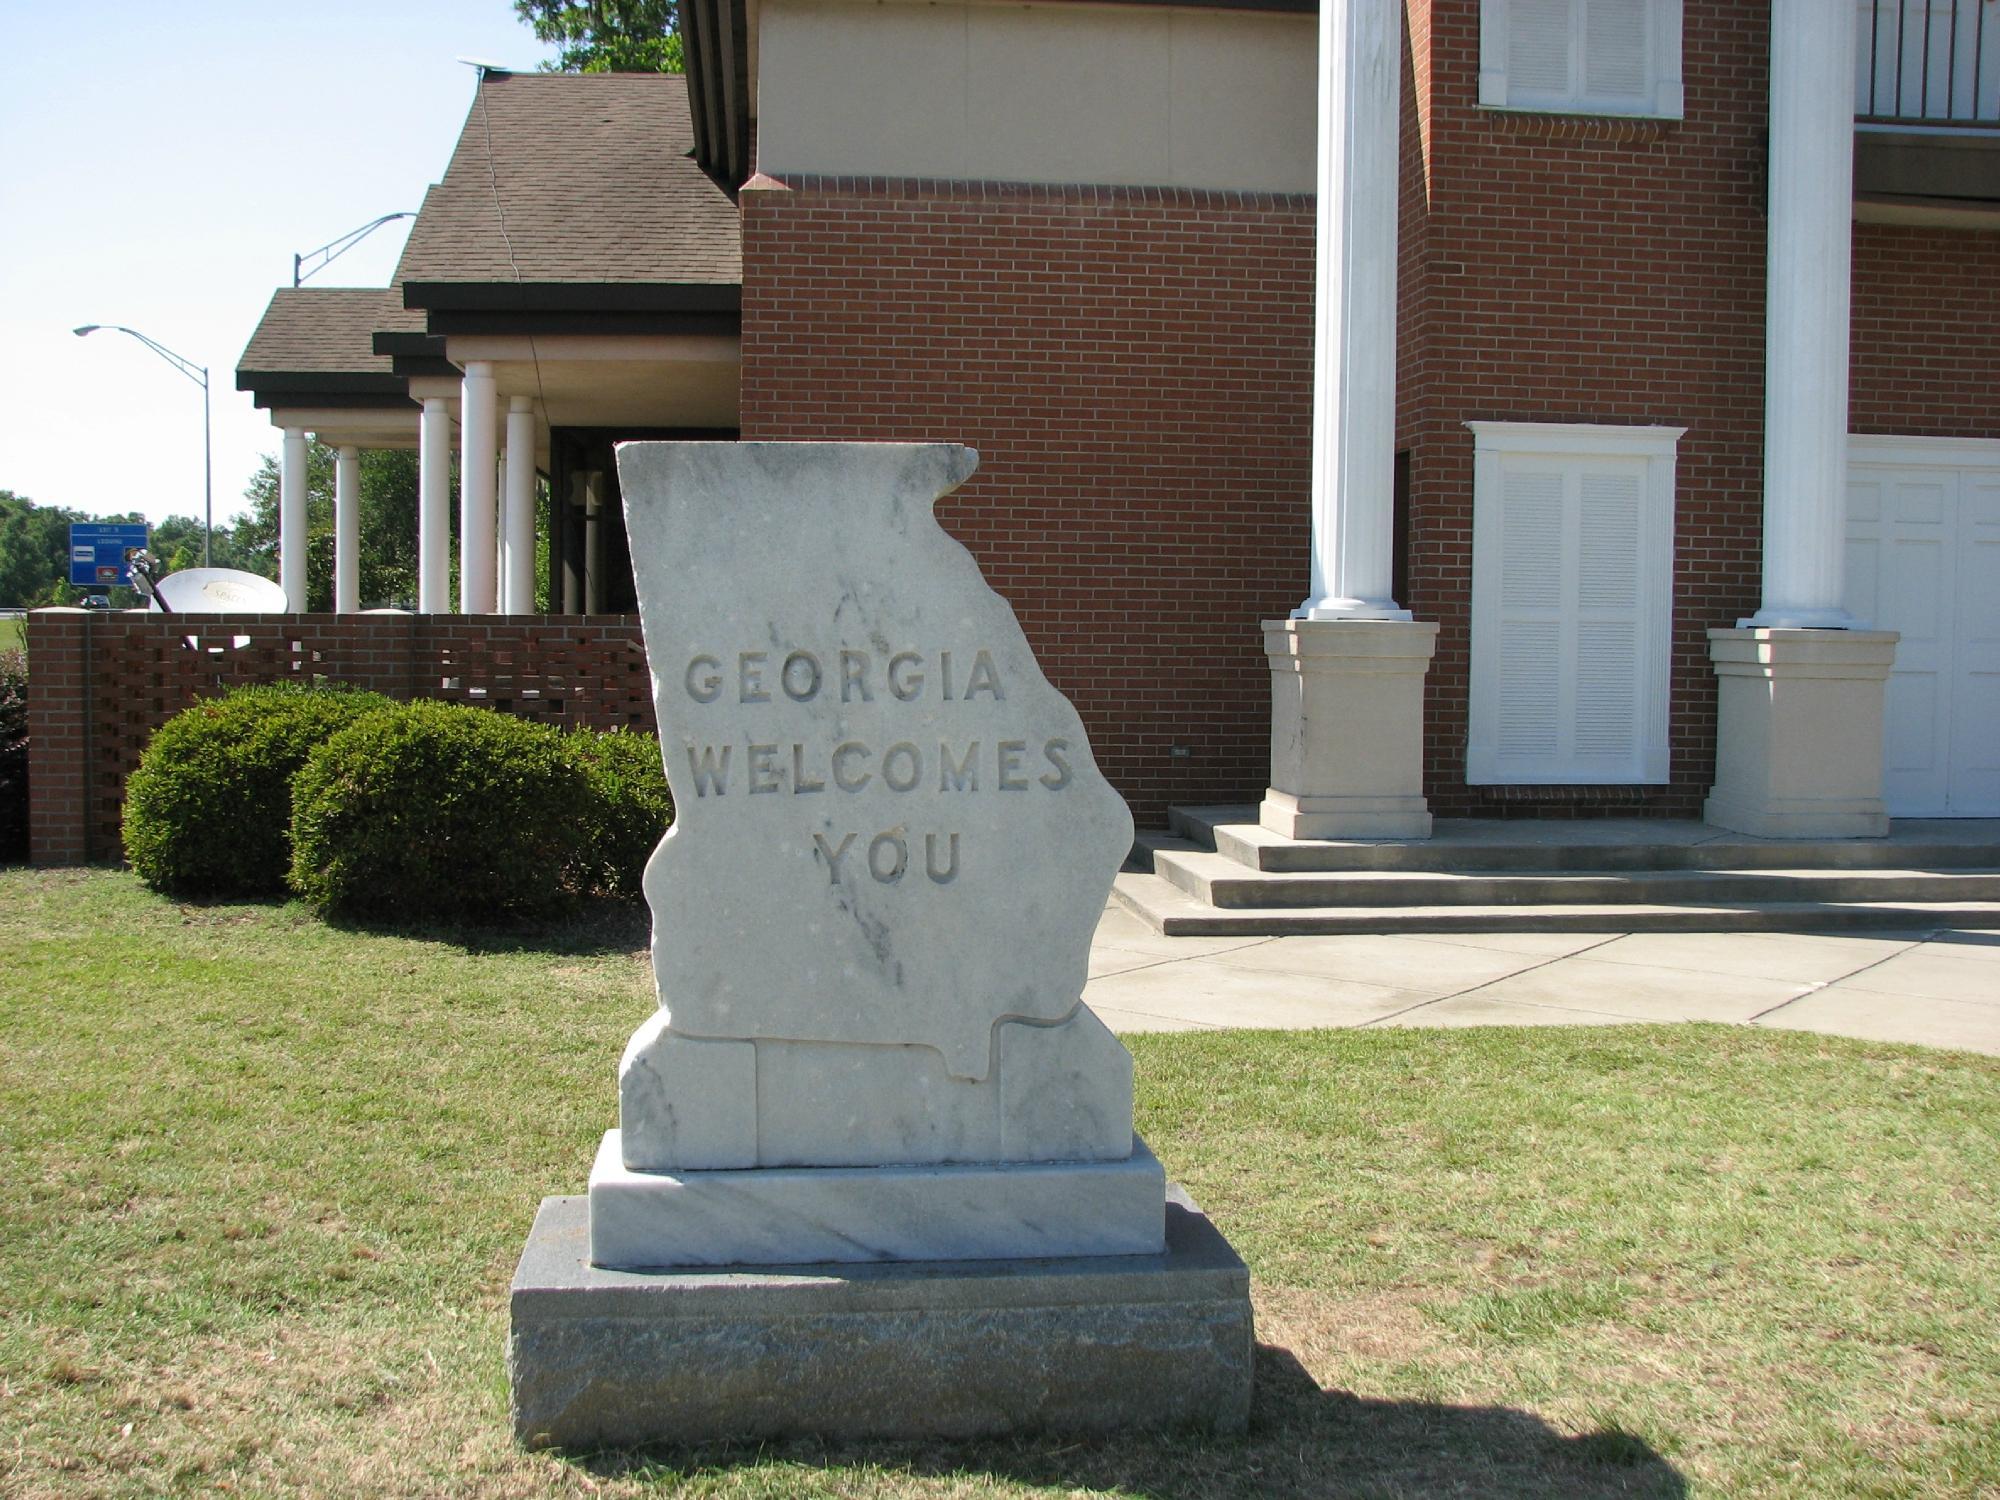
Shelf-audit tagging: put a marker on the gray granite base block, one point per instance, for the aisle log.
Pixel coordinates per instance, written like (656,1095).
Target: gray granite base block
(949,1349)
(781,1216)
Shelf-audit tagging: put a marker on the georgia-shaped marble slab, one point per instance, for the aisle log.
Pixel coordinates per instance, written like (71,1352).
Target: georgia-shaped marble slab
(889,826)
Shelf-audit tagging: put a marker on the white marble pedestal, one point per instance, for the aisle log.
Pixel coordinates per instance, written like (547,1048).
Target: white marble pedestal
(796,1215)
(1347,728)
(1798,732)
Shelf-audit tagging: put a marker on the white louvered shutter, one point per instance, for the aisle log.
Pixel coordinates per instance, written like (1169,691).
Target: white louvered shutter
(1588,56)
(1538,49)
(1565,684)
(1613,45)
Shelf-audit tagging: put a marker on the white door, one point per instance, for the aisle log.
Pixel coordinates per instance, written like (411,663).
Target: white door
(1923,559)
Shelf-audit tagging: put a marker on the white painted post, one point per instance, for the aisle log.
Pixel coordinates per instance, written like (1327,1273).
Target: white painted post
(502,603)
(347,530)
(519,527)
(478,481)
(593,543)
(1808,287)
(292,520)
(434,509)
(1354,325)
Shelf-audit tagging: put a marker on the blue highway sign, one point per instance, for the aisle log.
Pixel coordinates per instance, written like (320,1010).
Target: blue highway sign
(98,551)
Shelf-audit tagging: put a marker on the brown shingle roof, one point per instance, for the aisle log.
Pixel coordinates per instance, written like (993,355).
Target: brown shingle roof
(594,177)
(327,330)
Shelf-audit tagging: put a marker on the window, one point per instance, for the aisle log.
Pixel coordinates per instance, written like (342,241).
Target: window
(1572,578)
(1587,57)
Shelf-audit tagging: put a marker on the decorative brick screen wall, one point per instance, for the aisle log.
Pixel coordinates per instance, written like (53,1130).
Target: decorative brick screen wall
(102,683)
(1135,369)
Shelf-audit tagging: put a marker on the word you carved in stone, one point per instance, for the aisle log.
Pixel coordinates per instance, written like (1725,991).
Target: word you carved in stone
(889,825)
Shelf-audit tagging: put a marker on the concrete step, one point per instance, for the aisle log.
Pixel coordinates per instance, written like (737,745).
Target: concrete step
(1221,881)
(1169,909)
(1475,844)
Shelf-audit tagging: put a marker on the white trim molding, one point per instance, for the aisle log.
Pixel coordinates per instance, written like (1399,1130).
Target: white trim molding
(1662,98)
(1572,603)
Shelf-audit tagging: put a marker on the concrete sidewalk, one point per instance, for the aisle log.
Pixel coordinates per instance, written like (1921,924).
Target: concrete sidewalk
(1940,989)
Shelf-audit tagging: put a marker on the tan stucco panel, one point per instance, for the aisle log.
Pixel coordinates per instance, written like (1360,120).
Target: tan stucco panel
(1123,95)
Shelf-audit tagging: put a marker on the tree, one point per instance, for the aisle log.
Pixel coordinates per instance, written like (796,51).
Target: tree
(34,551)
(606,36)
(34,555)
(388,526)
(177,545)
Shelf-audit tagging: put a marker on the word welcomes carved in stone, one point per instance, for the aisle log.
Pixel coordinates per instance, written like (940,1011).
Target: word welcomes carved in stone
(799,768)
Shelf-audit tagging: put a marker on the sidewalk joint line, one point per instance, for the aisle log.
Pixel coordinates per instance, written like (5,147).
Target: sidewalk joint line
(1474,989)
(1829,983)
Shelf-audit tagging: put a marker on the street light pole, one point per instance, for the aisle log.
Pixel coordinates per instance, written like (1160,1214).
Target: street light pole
(199,375)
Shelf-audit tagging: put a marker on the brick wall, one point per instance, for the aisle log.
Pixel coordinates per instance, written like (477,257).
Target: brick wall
(1592,270)
(1134,367)
(1926,332)
(102,683)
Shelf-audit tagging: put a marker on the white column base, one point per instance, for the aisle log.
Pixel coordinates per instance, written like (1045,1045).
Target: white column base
(1798,732)
(1347,728)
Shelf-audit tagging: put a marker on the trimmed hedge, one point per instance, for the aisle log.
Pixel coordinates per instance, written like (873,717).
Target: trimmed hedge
(13,756)
(208,811)
(631,807)
(436,810)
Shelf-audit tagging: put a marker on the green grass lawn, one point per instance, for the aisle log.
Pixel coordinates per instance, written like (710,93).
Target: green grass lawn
(265,1181)
(13,633)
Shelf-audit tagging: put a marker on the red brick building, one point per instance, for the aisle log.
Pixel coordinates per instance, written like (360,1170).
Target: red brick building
(1079,238)
(1694,320)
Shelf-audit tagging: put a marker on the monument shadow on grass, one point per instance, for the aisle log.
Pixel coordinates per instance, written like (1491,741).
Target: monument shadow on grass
(1303,1441)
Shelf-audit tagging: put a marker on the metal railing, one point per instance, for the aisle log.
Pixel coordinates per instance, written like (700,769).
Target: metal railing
(1928,62)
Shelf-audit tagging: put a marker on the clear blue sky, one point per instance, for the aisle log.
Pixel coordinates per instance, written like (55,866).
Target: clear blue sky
(159,165)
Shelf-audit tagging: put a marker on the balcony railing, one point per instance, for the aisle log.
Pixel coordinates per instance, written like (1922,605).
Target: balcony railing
(1928,63)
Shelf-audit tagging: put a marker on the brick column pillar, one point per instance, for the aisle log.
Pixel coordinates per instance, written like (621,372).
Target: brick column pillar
(58,736)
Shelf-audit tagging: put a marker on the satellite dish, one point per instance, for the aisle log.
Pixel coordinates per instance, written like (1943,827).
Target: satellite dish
(219,591)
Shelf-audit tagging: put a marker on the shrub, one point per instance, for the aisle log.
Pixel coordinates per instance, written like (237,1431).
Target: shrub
(435,810)
(631,807)
(13,755)
(208,811)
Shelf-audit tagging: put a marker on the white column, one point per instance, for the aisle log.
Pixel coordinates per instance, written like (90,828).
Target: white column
(593,543)
(519,526)
(434,509)
(292,520)
(501,602)
(1805,339)
(478,480)
(1354,333)
(347,530)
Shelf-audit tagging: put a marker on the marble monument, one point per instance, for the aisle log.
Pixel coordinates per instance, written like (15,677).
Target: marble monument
(872,922)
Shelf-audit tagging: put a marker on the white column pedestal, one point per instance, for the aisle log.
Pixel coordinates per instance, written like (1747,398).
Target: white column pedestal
(1347,728)
(1798,733)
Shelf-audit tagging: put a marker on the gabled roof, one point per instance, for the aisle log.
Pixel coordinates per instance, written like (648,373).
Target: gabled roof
(573,181)
(317,343)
